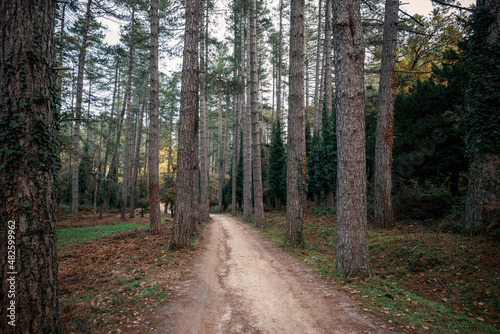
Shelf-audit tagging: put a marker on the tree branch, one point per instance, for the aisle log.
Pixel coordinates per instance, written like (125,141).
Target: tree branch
(411,17)
(451,5)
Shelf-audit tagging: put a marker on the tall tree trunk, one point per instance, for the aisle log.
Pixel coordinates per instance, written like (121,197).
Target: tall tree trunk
(88,121)
(187,157)
(78,114)
(385,119)
(126,146)
(61,49)
(169,134)
(146,148)
(97,177)
(328,59)
(137,151)
(220,164)
(204,175)
(296,143)
(274,93)
(317,109)
(352,242)
(247,151)
(236,135)
(114,158)
(306,88)
(321,90)
(483,193)
(30,158)
(154,104)
(108,142)
(280,65)
(259,219)
(226,143)
(70,166)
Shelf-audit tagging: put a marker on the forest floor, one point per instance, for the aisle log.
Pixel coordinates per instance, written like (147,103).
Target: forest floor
(424,280)
(116,283)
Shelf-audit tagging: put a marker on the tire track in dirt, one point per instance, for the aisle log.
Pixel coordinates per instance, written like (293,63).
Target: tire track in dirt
(243,283)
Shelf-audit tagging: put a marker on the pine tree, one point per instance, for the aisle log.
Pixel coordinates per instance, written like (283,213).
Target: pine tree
(128,94)
(352,239)
(385,119)
(30,162)
(78,111)
(186,216)
(204,165)
(153,157)
(296,149)
(328,160)
(277,166)
(258,201)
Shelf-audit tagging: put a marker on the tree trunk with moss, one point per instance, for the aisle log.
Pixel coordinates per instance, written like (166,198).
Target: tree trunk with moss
(30,161)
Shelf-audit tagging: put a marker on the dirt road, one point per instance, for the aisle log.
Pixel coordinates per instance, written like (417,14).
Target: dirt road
(242,283)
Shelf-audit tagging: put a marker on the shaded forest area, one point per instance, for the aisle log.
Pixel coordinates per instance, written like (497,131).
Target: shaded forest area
(361,138)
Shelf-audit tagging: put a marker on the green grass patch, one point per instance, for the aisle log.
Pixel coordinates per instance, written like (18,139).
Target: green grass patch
(71,236)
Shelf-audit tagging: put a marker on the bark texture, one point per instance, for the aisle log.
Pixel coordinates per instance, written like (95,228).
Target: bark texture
(280,66)
(137,149)
(247,148)
(126,146)
(352,243)
(254,100)
(328,59)
(153,156)
(296,144)
(483,193)
(29,160)
(236,131)
(385,119)
(186,214)
(220,164)
(204,174)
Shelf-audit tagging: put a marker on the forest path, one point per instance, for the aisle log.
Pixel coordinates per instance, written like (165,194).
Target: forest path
(243,283)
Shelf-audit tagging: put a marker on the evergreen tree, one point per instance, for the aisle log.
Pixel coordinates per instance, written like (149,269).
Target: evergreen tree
(429,134)
(352,238)
(314,166)
(186,216)
(277,166)
(328,160)
(30,163)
